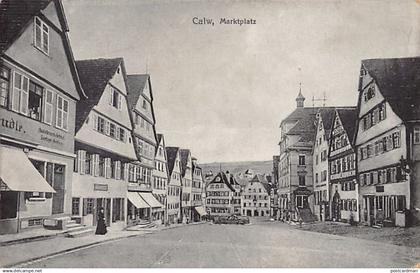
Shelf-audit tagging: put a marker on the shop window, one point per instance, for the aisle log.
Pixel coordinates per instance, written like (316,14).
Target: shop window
(8,204)
(88,206)
(75,206)
(4,86)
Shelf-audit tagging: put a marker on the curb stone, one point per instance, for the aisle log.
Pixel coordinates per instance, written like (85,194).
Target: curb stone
(70,250)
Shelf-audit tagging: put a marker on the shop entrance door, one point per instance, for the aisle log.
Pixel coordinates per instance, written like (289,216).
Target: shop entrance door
(59,187)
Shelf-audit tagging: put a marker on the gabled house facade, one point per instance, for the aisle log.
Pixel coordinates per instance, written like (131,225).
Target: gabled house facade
(174,185)
(344,191)
(198,210)
(220,193)
(39,89)
(295,163)
(160,178)
(320,163)
(387,140)
(256,197)
(140,103)
(103,144)
(186,179)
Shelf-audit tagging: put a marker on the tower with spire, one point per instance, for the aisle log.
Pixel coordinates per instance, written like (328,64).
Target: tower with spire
(300,100)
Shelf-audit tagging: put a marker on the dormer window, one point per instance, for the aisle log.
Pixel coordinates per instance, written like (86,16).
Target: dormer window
(41,35)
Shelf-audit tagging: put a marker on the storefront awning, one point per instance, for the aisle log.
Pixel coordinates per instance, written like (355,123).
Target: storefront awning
(18,173)
(150,199)
(137,201)
(201,210)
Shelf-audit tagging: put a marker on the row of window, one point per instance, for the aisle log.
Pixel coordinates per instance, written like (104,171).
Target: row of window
(196,184)
(343,164)
(255,190)
(219,210)
(160,166)
(173,206)
(374,116)
(197,197)
(323,176)
(218,193)
(386,144)
(174,191)
(176,176)
(218,201)
(217,186)
(109,128)
(138,173)
(348,204)
(97,165)
(348,186)
(143,123)
(145,149)
(323,157)
(255,197)
(265,205)
(159,183)
(386,175)
(33,100)
(339,142)
(320,196)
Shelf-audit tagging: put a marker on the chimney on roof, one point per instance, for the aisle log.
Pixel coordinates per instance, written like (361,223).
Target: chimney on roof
(300,100)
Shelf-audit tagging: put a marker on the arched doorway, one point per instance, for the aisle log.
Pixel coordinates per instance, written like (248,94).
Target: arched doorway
(336,214)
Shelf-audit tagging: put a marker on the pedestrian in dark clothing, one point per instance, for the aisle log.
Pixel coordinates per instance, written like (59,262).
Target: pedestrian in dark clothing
(101,227)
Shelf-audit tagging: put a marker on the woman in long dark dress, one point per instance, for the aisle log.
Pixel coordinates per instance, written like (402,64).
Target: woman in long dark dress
(101,227)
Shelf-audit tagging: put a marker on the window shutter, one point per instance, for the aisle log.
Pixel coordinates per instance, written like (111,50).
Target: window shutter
(24,96)
(17,84)
(95,122)
(111,97)
(126,171)
(120,101)
(117,169)
(81,157)
(108,169)
(48,106)
(96,165)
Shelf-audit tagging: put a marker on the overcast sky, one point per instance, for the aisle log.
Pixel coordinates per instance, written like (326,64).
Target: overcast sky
(223,90)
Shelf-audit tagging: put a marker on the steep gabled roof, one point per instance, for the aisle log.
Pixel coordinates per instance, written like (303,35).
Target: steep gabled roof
(300,113)
(261,179)
(15,17)
(184,153)
(348,118)
(136,84)
(398,80)
(171,153)
(94,76)
(223,179)
(327,115)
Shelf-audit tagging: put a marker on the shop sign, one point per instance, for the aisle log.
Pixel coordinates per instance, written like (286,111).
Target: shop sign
(380,189)
(100,187)
(27,129)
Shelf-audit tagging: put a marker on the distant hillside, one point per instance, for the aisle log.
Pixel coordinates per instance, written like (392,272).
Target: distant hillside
(262,167)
